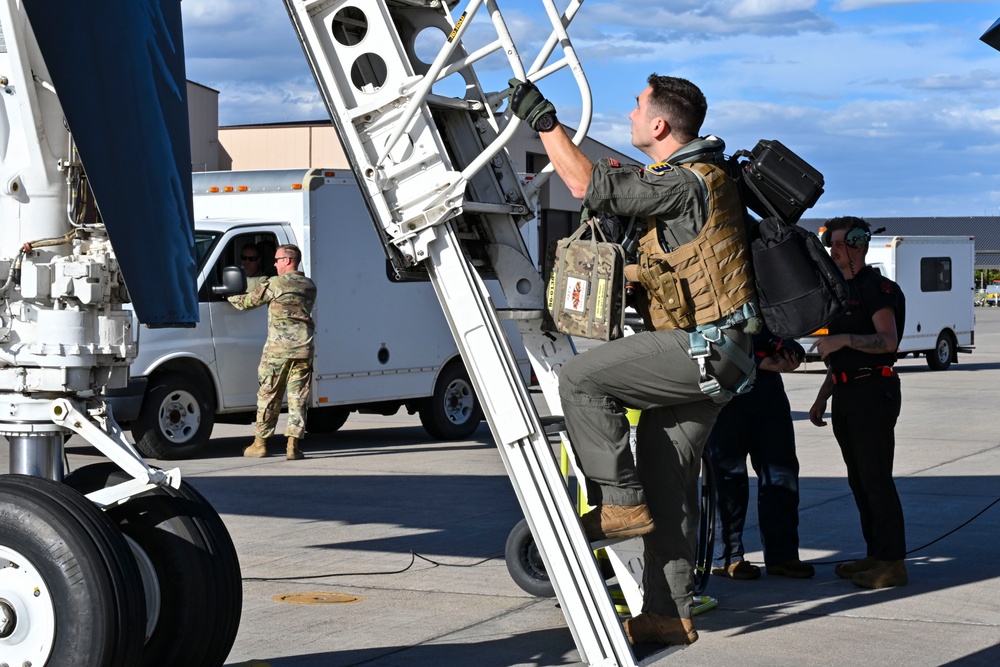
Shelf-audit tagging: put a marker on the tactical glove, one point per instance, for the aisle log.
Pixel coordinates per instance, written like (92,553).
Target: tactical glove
(527,103)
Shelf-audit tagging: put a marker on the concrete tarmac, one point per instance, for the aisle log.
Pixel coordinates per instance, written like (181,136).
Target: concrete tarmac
(398,540)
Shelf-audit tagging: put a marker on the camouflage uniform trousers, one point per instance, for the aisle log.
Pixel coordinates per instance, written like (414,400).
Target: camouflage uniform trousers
(274,376)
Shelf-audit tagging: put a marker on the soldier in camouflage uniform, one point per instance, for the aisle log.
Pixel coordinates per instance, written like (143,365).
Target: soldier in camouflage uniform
(288,352)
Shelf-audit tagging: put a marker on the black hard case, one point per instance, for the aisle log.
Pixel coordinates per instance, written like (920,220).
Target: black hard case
(777,182)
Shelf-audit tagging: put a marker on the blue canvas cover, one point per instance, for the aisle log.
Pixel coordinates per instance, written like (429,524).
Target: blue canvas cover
(118,68)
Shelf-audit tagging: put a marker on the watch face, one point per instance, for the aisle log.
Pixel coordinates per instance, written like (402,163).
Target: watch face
(546,122)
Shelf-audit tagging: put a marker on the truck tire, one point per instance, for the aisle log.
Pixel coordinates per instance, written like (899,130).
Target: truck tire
(176,417)
(939,359)
(453,412)
(326,420)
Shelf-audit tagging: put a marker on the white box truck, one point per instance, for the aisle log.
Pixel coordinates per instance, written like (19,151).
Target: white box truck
(936,276)
(380,344)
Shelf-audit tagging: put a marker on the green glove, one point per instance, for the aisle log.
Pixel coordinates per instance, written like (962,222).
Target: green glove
(527,103)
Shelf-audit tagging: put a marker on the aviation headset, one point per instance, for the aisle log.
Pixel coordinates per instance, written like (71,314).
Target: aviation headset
(859,233)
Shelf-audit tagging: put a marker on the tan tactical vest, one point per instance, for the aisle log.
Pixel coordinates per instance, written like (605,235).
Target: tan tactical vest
(706,279)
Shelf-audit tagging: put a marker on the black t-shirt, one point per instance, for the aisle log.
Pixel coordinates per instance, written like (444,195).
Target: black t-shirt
(868,292)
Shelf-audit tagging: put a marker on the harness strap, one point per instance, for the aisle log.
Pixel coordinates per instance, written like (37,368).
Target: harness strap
(705,336)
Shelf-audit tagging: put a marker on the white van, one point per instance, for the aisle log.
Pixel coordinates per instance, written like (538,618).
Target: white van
(380,344)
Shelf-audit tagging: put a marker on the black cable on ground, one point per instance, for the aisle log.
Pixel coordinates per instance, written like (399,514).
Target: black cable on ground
(921,547)
(413,558)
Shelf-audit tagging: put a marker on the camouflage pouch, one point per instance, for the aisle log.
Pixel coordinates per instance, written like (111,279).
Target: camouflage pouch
(586,290)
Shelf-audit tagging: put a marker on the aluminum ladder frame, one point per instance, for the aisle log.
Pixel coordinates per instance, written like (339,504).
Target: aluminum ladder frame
(443,194)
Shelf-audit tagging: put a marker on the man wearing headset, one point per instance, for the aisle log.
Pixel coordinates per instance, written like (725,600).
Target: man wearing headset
(859,352)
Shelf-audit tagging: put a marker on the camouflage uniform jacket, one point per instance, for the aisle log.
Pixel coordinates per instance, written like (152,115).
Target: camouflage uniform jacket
(289,298)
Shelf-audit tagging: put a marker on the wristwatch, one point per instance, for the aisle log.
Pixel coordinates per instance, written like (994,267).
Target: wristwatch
(545,122)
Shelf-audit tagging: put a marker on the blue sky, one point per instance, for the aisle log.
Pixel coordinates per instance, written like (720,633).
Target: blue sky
(897,102)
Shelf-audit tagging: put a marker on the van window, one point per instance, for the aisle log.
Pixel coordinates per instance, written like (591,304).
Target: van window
(935,274)
(203,242)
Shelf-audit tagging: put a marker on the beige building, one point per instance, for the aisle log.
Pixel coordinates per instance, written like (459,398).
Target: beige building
(203,118)
(314,144)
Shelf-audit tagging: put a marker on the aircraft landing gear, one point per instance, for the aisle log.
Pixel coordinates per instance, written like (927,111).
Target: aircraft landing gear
(70,590)
(196,573)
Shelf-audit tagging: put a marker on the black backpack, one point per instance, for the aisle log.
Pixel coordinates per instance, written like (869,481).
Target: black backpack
(799,288)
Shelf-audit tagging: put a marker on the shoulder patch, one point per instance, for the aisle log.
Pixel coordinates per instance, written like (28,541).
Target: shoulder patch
(660,167)
(888,287)
(612,162)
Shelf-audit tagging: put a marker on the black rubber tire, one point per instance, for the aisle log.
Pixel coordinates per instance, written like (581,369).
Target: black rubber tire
(939,359)
(176,417)
(86,565)
(326,420)
(228,579)
(524,562)
(194,560)
(453,412)
(706,528)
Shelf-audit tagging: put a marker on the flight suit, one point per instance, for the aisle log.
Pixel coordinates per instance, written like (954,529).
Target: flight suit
(759,425)
(651,371)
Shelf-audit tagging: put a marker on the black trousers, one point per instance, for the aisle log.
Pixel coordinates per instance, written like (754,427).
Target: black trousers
(864,414)
(758,425)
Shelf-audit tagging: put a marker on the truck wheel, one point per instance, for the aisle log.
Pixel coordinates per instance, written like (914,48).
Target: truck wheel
(70,591)
(326,420)
(196,586)
(176,417)
(453,412)
(525,563)
(939,359)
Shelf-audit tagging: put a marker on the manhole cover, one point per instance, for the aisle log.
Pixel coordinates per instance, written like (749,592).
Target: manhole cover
(317,598)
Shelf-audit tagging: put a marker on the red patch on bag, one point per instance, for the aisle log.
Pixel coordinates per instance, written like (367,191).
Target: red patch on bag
(612,162)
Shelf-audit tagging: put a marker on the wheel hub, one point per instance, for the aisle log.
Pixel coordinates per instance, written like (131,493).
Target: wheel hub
(27,611)
(8,619)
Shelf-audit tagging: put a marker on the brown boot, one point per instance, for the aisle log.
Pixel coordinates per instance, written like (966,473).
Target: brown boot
(884,574)
(257,450)
(294,453)
(607,522)
(652,628)
(848,570)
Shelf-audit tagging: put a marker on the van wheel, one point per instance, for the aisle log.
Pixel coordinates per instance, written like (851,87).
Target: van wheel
(176,417)
(453,412)
(326,420)
(939,359)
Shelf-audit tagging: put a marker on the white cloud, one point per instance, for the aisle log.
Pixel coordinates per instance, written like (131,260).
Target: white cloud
(851,5)
(754,8)
(897,106)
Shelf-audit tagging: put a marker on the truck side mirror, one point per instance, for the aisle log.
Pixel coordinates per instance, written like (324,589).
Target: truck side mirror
(234,281)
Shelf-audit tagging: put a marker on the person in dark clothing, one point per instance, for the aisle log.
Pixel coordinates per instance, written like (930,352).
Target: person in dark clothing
(759,425)
(860,351)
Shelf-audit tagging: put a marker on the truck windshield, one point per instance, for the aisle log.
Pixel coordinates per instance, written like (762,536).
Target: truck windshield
(203,242)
